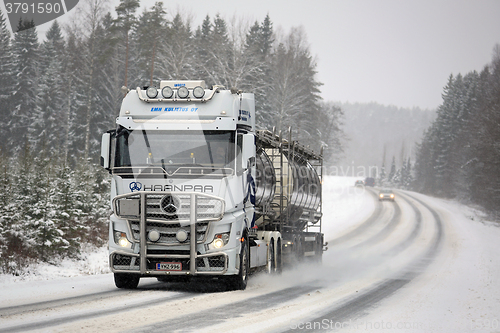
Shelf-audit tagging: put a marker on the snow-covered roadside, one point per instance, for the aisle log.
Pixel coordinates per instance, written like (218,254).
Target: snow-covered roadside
(344,206)
(460,291)
(91,261)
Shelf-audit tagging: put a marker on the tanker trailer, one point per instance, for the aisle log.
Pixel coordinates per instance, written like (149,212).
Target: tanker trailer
(288,195)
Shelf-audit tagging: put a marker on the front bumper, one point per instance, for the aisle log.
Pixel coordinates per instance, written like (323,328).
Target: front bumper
(190,257)
(203,264)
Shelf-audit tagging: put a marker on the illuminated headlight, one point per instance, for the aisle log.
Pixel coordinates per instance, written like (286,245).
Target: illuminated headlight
(392,196)
(121,239)
(198,92)
(183,92)
(152,92)
(381,195)
(220,240)
(167,92)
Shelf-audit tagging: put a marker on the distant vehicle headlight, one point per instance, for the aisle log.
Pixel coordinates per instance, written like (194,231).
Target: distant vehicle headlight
(381,195)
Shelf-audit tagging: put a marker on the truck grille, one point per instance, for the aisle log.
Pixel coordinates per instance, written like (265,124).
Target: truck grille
(168,214)
(178,207)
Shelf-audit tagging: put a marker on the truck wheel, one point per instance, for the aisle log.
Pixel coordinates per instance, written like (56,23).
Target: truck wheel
(271,260)
(239,281)
(126,281)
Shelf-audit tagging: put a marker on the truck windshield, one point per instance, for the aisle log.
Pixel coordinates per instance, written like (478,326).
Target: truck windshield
(214,149)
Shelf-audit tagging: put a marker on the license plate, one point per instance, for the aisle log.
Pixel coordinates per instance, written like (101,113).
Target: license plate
(169,266)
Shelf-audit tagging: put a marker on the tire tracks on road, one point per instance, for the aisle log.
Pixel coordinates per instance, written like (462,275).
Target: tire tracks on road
(355,307)
(216,315)
(55,321)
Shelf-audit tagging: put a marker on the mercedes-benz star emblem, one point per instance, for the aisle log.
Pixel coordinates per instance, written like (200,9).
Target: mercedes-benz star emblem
(169,204)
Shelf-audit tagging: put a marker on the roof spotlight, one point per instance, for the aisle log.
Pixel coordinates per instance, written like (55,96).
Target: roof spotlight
(183,92)
(152,92)
(167,92)
(198,92)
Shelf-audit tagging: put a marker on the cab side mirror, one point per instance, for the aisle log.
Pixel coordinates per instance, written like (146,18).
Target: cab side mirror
(105,150)
(248,152)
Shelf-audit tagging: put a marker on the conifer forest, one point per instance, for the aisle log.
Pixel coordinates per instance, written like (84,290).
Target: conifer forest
(61,91)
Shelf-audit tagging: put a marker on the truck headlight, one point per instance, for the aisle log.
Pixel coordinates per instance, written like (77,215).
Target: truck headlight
(121,239)
(220,240)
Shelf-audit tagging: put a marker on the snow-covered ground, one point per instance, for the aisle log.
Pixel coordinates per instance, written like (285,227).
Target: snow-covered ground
(457,291)
(460,291)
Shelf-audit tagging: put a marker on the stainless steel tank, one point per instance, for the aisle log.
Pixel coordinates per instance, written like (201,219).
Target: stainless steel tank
(296,179)
(265,181)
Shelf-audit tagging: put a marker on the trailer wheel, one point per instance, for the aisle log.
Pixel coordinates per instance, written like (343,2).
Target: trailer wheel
(126,281)
(319,250)
(279,258)
(294,255)
(299,250)
(239,281)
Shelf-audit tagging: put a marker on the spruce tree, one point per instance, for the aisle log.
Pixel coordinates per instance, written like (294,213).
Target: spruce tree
(47,119)
(26,62)
(177,57)
(392,173)
(7,79)
(148,38)
(124,23)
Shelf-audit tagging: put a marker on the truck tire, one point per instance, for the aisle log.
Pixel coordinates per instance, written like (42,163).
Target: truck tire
(271,265)
(126,281)
(239,281)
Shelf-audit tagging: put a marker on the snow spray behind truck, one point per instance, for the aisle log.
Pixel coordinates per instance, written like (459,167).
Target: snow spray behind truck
(198,192)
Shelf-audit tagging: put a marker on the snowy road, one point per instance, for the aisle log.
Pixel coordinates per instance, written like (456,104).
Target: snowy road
(418,264)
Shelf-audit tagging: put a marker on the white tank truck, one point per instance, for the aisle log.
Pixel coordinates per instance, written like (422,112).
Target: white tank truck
(196,191)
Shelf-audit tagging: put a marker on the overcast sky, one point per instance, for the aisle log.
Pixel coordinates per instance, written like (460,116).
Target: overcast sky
(394,52)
